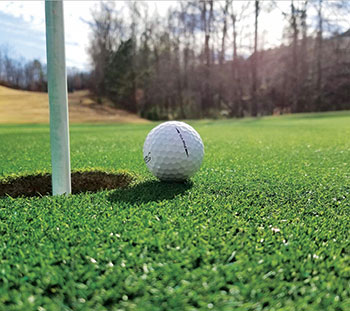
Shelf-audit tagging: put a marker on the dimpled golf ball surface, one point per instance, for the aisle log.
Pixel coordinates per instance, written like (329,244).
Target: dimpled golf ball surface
(173,151)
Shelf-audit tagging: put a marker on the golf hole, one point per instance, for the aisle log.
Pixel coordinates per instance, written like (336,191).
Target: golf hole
(82,181)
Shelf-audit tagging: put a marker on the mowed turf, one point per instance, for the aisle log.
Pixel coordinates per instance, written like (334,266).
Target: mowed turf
(264,225)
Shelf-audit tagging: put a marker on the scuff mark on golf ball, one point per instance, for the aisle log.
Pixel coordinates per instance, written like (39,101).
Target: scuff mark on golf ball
(183,141)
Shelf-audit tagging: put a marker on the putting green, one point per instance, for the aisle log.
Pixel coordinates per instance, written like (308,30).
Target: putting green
(264,225)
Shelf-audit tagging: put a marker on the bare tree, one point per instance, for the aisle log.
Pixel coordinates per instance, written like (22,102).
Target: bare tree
(295,65)
(304,61)
(224,31)
(107,31)
(207,20)
(178,66)
(254,107)
(319,48)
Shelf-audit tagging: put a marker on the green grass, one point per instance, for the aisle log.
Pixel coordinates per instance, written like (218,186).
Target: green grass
(264,225)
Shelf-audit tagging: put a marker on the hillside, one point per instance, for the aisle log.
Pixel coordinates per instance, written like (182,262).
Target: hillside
(18,106)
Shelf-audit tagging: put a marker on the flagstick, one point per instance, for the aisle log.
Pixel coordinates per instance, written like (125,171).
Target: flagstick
(57,86)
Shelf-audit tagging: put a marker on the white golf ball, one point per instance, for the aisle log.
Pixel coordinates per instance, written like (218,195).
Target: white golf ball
(173,151)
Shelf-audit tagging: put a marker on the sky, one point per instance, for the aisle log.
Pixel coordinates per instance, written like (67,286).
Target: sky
(22,25)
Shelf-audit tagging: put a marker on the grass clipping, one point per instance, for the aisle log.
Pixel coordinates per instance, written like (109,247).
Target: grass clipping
(82,181)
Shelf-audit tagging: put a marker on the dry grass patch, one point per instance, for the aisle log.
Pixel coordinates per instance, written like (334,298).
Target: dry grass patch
(17,106)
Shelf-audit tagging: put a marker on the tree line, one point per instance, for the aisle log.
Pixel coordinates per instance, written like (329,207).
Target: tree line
(31,75)
(207,59)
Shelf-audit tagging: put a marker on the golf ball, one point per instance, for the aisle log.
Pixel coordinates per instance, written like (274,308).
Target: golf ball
(173,151)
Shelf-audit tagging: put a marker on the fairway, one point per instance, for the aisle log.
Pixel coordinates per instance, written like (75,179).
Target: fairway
(264,225)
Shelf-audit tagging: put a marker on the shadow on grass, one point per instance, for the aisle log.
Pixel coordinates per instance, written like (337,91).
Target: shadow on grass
(150,191)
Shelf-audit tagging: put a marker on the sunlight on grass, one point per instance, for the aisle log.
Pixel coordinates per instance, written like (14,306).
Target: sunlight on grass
(263,225)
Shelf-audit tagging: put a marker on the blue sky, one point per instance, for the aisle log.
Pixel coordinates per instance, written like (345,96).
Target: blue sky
(22,25)
(27,44)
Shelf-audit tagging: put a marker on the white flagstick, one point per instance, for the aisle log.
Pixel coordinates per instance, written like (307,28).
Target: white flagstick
(57,84)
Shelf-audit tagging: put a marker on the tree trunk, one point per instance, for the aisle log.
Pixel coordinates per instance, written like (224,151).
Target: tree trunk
(254,107)
(294,69)
(304,70)
(206,100)
(319,52)
(224,33)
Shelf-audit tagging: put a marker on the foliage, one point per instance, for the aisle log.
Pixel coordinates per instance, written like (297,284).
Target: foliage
(120,85)
(207,58)
(264,225)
